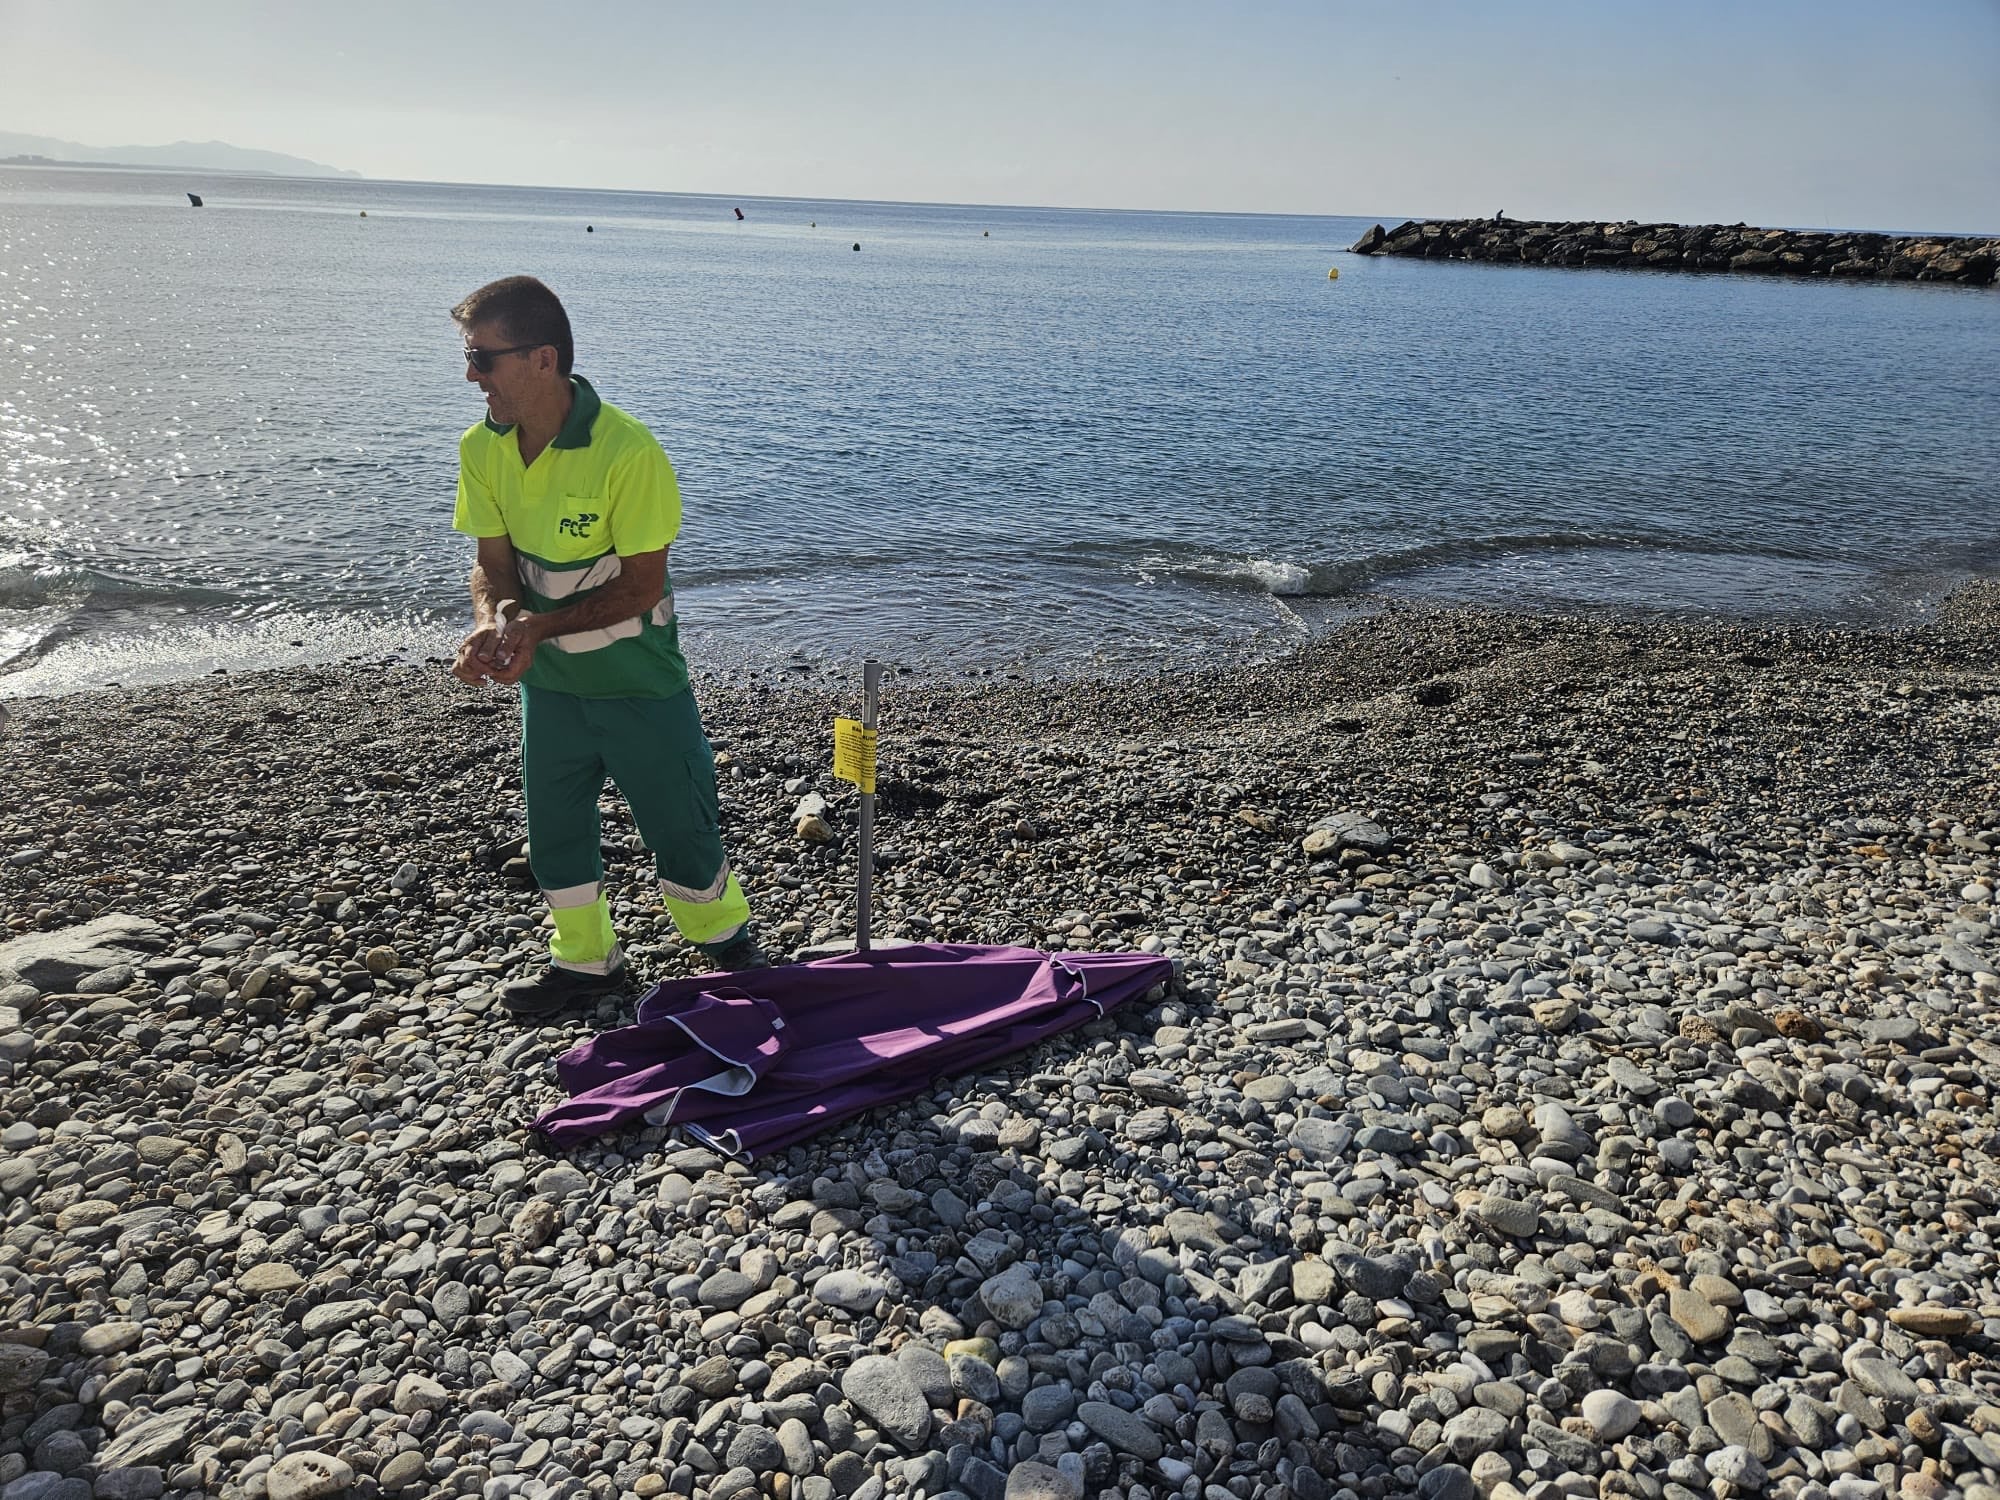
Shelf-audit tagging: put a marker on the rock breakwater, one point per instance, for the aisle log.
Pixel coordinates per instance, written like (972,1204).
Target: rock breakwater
(1694,247)
(1581,1082)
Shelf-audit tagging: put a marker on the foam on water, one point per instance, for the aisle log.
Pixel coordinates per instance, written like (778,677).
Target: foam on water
(177,650)
(1281,580)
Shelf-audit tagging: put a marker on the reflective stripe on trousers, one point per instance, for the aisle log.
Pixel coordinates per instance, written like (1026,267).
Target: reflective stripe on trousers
(583,938)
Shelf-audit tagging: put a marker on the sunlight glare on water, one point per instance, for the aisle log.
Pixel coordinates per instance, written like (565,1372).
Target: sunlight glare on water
(1082,441)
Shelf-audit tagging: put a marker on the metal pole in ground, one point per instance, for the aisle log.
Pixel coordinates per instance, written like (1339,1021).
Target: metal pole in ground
(871,686)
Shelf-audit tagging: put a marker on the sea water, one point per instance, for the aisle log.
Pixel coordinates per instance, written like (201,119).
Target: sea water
(959,438)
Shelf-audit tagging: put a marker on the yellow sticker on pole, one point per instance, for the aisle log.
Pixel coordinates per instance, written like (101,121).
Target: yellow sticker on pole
(854,753)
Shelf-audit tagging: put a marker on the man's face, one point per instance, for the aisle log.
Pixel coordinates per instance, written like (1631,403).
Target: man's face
(513,374)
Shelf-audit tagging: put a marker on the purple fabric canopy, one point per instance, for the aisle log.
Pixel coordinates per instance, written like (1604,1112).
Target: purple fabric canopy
(753,1062)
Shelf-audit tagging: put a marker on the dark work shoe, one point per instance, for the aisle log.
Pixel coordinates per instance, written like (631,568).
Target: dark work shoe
(740,953)
(550,990)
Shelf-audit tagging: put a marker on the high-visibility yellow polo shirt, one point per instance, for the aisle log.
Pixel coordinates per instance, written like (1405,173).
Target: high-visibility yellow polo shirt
(603,489)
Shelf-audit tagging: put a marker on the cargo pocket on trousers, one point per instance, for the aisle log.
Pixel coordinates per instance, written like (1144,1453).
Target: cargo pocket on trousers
(702,815)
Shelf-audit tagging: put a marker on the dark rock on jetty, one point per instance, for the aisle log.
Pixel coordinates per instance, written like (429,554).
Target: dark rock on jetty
(1693,247)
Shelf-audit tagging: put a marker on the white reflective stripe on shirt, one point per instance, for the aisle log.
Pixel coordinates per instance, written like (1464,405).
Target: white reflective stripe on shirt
(561,583)
(581,641)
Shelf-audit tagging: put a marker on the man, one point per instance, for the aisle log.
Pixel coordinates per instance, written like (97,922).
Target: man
(574,504)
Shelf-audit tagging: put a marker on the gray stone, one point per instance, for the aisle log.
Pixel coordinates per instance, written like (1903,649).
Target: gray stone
(1014,1297)
(1611,1414)
(111,1338)
(1737,1465)
(148,1441)
(1256,1282)
(1674,1112)
(308,1475)
(1880,1379)
(1696,1316)
(1447,1482)
(727,1290)
(402,1473)
(1507,1215)
(53,961)
(62,1452)
(796,1377)
(1580,1454)
(1386,1140)
(20,1367)
(1037,1481)
(756,1449)
(879,1386)
(1346,830)
(561,1181)
(331,1317)
(929,1372)
(974,1379)
(1375,1277)
(1185,1226)
(1313,1283)
(1632,1078)
(1126,1431)
(1474,1431)
(796,1439)
(415,1393)
(1735,1421)
(1047,1407)
(490,1425)
(1322,1140)
(852,1291)
(146,1483)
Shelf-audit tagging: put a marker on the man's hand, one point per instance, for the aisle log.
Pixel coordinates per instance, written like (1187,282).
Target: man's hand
(499,652)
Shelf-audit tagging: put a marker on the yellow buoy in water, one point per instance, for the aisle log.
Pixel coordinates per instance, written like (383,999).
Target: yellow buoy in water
(1334,274)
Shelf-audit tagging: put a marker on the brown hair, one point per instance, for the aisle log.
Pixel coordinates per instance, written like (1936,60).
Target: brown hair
(527,312)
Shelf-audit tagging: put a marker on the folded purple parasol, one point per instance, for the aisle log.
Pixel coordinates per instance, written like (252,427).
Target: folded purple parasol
(753,1062)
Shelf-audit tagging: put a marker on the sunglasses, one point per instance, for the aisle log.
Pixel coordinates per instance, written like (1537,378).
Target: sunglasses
(482,359)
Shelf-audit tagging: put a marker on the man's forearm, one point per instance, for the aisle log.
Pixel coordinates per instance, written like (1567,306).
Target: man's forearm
(624,598)
(491,587)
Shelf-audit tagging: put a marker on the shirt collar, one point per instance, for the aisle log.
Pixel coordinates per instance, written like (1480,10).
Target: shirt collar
(583,408)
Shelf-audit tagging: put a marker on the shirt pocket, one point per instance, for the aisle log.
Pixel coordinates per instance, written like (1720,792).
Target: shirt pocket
(580,529)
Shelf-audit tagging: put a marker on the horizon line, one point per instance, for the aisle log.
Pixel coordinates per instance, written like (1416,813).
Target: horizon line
(348,177)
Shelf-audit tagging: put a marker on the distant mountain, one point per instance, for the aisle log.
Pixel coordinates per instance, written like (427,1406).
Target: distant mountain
(212,156)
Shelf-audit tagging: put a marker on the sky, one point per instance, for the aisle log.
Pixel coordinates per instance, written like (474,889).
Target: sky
(1848,113)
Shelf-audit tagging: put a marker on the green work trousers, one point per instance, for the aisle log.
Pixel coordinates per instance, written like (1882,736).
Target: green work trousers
(655,753)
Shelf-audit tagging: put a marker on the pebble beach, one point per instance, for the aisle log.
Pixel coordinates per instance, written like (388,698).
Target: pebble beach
(1579,1079)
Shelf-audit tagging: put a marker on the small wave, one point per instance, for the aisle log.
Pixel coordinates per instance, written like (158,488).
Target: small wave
(1361,575)
(1262,575)
(1348,577)
(1279,579)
